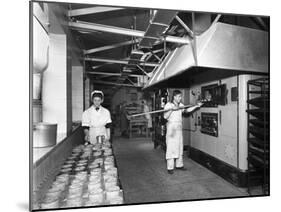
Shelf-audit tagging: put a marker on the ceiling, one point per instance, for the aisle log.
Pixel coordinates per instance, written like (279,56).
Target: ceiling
(138,19)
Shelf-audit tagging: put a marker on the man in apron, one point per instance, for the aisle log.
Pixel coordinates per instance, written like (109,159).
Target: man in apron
(96,120)
(174,137)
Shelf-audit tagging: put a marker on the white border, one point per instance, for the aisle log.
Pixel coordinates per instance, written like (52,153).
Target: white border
(15,116)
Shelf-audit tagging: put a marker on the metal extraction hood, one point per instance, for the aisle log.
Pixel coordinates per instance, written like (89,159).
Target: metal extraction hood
(221,46)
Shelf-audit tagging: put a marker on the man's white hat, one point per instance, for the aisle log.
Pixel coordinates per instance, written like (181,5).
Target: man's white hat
(97,92)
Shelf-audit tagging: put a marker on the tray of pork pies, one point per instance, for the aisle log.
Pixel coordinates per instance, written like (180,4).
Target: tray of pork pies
(88,177)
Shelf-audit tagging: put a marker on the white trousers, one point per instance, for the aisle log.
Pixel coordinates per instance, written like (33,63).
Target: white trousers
(171,163)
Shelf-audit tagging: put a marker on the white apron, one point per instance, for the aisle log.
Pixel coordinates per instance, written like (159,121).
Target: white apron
(174,137)
(96,131)
(96,121)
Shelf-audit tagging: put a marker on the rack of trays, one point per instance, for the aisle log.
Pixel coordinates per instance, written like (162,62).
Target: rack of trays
(258,136)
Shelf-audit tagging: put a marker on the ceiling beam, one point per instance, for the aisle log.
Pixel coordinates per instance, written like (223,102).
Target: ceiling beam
(261,24)
(91,10)
(122,31)
(148,55)
(103,48)
(118,61)
(95,67)
(114,83)
(143,70)
(113,74)
(185,26)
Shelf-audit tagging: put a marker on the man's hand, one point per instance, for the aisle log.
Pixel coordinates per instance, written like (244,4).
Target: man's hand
(87,138)
(199,104)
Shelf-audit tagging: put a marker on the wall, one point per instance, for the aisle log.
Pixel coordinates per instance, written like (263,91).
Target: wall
(77,93)
(54,84)
(223,147)
(124,94)
(65,57)
(231,144)
(87,93)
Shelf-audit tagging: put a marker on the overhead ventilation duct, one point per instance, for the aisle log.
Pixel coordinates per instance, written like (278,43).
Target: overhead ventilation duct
(157,27)
(222,46)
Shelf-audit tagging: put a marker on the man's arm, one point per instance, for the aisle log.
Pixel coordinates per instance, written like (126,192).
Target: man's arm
(108,126)
(108,133)
(86,126)
(192,108)
(86,134)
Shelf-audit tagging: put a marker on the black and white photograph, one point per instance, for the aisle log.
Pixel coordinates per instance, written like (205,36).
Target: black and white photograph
(138,105)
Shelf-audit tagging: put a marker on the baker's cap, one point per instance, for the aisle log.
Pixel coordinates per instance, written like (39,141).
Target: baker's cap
(97,93)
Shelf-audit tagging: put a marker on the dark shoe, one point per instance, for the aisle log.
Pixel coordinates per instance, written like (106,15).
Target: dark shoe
(171,171)
(181,168)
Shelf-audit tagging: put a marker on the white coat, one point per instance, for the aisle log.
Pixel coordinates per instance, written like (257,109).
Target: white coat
(96,121)
(174,137)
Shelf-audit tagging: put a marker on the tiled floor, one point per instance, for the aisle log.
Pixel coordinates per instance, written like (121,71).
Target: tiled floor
(143,175)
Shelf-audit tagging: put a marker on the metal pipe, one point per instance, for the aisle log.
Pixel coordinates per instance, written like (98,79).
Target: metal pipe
(103,48)
(79,25)
(91,10)
(155,56)
(113,83)
(185,26)
(143,70)
(194,44)
(113,74)
(117,61)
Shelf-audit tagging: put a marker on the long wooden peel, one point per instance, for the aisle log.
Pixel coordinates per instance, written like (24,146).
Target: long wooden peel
(162,110)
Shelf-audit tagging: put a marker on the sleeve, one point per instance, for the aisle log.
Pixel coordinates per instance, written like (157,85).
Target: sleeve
(108,118)
(181,105)
(85,119)
(167,107)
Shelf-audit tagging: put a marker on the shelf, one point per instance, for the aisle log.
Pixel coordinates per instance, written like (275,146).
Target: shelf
(259,132)
(259,91)
(259,152)
(257,162)
(259,113)
(259,123)
(262,102)
(258,143)
(259,82)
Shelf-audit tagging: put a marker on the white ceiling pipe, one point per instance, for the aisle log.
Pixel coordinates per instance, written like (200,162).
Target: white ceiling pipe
(117,61)
(112,74)
(91,10)
(104,48)
(123,31)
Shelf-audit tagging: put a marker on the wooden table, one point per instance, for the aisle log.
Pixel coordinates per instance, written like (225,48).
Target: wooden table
(138,123)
